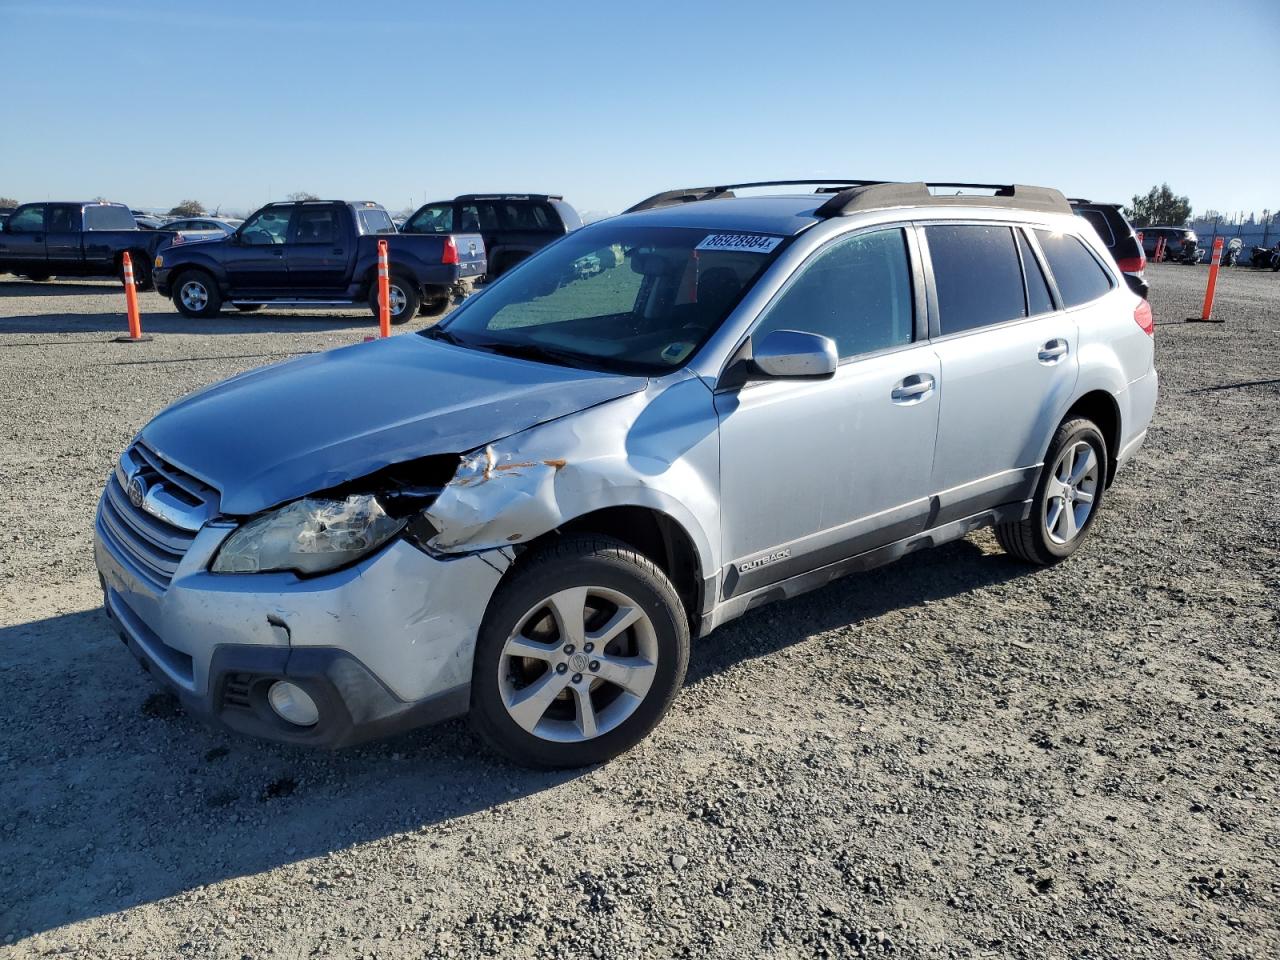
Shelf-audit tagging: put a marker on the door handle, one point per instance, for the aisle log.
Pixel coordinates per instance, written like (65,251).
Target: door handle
(338,250)
(1053,351)
(912,389)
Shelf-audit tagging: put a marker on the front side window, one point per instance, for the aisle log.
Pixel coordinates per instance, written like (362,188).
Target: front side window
(267,227)
(1079,276)
(977,275)
(857,291)
(27,220)
(434,219)
(106,217)
(317,225)
(615,297)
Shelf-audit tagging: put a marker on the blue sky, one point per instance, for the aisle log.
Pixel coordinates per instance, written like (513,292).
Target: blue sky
(235,103)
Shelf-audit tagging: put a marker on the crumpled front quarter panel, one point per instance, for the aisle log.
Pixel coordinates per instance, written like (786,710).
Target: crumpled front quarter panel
(658,449)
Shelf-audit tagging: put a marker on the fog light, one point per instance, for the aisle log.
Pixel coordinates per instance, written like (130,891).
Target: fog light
(292,703)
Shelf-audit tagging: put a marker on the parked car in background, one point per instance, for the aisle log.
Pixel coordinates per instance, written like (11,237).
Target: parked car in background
(149,222)
(527,511)
(514,225)
(201,228)
(80,239)
(319,253)
(1180,243)
(4,214)
(1119,238)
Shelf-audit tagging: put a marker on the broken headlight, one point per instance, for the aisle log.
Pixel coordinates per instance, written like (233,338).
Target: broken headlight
(308,536)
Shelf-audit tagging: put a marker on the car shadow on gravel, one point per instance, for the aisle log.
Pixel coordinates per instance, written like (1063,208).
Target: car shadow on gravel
(29,288)
(112,797)
(158,324)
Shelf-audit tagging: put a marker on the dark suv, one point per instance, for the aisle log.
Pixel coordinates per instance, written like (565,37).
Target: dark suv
(1179,243)
(1118,236)
(513,225)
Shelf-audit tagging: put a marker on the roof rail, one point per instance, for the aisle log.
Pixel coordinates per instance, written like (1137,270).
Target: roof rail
(463,197)
(692,194)
(877,195)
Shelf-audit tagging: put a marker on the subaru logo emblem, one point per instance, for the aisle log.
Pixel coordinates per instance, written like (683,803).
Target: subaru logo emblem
(137,491)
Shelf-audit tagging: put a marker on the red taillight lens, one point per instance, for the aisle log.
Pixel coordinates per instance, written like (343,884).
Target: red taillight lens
(1142,315)
(1132,264)
(450,254)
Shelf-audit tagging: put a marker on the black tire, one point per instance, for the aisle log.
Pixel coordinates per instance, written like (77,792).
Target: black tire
(38,277)
(141,270)
(212,302)
(248,307)
(434,304)
(408,299)
(1030,539)
(579,561)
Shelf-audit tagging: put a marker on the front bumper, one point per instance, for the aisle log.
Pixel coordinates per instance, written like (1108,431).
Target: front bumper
(382,646)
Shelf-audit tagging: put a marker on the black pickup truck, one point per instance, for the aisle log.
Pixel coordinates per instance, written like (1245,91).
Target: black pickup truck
(41,240)
(513,225)
(318,253)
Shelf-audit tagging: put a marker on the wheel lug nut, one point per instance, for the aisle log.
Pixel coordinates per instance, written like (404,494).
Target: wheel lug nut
(588,647)
(577,678)
(595,665)
(561,668)
(568,648)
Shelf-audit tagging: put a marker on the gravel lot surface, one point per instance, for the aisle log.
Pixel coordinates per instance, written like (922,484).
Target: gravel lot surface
(952,756)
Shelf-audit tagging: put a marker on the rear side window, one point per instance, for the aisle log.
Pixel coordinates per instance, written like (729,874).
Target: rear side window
(857,292)
(1099,223)
(109,218)
(1038,299)
(317,225)
(477,217)
(1079,276)
(977,275)
(376,221)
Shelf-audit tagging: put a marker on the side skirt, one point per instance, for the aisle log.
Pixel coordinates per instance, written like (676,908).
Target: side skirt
(735,607)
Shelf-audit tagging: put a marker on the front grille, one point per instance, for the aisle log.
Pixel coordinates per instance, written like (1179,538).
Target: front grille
(155,544)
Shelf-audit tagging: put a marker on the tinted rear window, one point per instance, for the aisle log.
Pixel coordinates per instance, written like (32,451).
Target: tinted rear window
(977,275)
(1100,224)
(109,218)
(1079,276)
(376,221)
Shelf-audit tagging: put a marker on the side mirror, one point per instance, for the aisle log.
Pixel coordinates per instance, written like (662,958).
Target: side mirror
(794,355)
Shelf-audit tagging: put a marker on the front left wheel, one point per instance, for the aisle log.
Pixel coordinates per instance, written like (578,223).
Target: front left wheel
(581,653)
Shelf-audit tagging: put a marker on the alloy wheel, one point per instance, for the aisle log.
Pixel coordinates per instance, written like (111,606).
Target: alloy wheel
(578,664)
(1071,492)
(194,295)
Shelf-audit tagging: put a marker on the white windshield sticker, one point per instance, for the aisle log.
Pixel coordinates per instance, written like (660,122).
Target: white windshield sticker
(739,242)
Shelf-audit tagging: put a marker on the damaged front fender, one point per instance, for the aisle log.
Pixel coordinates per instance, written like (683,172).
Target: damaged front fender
(656,449)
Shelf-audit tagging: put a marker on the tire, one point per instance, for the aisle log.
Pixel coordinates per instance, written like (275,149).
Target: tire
(405,299)
(435,304)
(141,270)
(196,295)
(248,307)
(1049,534)
(38,277)
(651,655)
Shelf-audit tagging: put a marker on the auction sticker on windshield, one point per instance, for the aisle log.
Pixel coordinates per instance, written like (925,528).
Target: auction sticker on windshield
(739,242)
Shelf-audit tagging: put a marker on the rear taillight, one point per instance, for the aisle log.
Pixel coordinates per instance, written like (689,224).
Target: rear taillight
(450,254)
(1142,315)
(1132,264)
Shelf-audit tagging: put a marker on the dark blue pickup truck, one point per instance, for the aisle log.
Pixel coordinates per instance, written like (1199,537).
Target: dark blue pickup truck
(319,253)
(77,239)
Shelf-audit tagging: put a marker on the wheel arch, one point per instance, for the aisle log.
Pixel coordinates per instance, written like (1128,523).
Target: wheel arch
(1101,407)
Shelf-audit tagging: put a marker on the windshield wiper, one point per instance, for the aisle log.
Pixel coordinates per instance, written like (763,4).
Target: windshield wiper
(534,351)
(440,333)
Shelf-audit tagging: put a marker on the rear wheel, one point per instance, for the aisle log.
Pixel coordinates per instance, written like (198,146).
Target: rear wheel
(141,270)
(404,299)
(581,653)
(1067,497)
(196,295)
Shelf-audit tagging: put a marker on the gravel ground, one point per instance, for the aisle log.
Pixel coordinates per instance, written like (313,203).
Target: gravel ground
(955,756)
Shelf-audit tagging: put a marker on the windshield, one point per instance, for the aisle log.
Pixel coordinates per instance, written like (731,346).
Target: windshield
(616,297)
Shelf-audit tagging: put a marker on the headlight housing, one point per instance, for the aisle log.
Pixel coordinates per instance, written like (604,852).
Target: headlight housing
(308,536)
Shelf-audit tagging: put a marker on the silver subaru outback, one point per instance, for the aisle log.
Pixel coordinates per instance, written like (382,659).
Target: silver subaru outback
(645,430)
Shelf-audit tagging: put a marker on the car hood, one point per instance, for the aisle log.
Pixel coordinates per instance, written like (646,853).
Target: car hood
(281,432)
